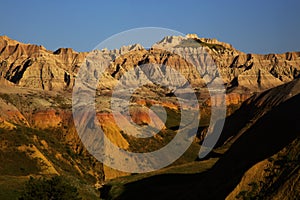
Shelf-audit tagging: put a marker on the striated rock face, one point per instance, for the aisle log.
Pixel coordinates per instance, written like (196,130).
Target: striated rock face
(112,131)
(33,66)
(36,87)
(46,119)
(251,71)
(231,99)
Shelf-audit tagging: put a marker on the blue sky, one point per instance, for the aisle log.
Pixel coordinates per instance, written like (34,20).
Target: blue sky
(263,26)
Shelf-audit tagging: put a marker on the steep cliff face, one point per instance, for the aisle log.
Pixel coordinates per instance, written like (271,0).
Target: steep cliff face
(34,66)
(253,72)
(36,85)
(259,72)
(175,61)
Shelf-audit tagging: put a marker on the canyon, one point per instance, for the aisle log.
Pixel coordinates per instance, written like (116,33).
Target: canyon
(38,132)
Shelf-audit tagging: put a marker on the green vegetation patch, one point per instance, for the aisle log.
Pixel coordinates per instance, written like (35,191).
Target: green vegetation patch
(55,188)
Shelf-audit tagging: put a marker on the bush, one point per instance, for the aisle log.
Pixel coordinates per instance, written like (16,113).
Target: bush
(55,188)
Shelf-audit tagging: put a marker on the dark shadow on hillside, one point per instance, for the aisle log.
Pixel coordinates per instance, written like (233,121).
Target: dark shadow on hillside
(266,137)
(249,110)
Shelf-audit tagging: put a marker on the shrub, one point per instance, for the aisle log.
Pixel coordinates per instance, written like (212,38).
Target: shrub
(55,188)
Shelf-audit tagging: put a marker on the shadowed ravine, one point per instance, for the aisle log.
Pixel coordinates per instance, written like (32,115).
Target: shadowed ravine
(266,137)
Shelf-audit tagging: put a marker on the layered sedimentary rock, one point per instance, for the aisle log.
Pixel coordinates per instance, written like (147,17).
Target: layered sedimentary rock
(36,87)
(34,66)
